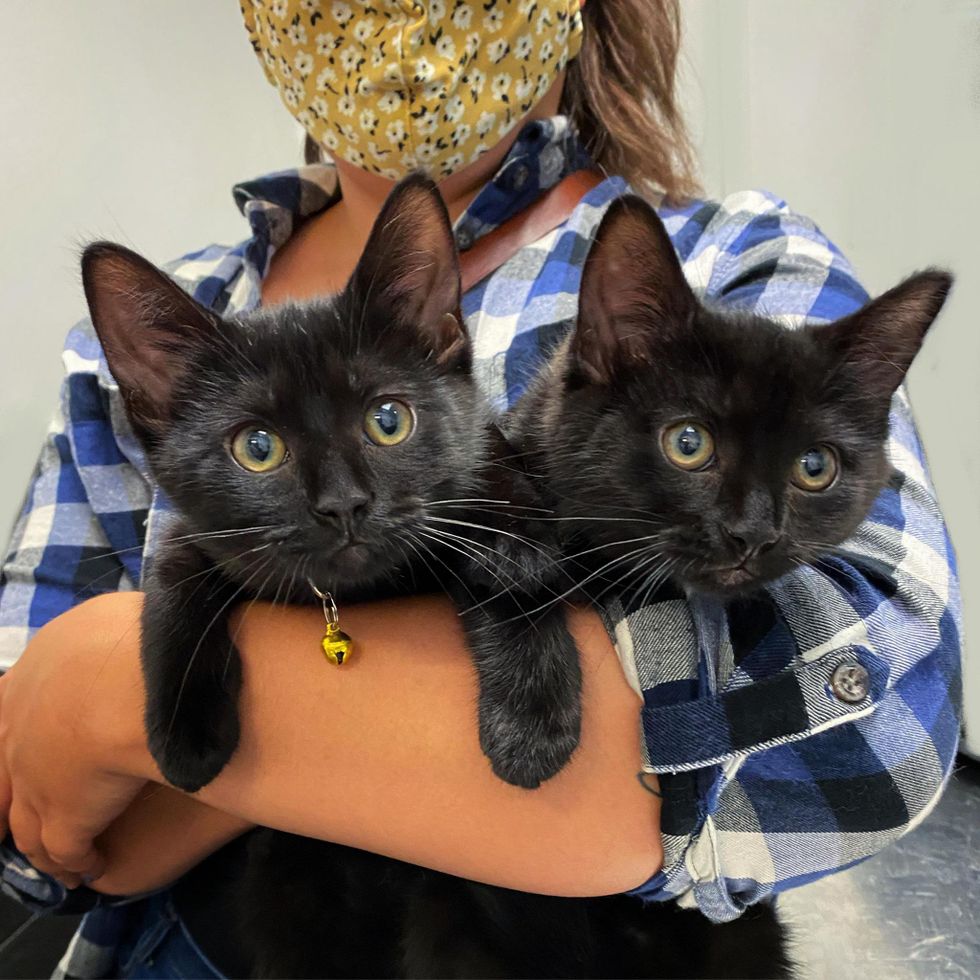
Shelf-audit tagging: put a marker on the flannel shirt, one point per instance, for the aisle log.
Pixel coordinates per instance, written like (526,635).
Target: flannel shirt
(770,779)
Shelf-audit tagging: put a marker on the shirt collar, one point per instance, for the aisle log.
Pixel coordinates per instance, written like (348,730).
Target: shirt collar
(545,151)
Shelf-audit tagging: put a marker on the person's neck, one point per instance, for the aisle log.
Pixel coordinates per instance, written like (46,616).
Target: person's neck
(320,257)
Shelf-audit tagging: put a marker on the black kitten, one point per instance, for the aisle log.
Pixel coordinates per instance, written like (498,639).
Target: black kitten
(716,449)
(334,444)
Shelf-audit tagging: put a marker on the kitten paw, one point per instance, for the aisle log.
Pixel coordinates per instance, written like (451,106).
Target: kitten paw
(525,753)
(191,757)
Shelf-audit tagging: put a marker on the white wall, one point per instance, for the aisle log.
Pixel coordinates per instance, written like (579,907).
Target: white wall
(865,114)
(120,120)
(132,120)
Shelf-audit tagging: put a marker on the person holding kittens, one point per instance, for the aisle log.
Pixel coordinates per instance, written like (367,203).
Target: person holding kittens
(779,738)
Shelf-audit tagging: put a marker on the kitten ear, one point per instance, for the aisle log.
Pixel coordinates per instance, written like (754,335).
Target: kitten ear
(410,267)
(881,339)
(633,292)
(149,328)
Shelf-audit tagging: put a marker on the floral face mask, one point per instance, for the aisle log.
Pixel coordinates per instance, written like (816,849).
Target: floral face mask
(394,86)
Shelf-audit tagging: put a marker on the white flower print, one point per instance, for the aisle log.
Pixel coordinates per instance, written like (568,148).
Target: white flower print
(544,83)
(396,132)
(279,8)
(341,12)
(477,79)
(320,107)
(472,44)
(368,121)
(547,50)
(390,102)
(452,163)
(493,20)
(349,133)
(377,56)
(426,152)
(409,161)
(561,33)
(460,134)
(289,96)
(423,70)
(296,33)
(330,140)
(485,124)
(524,89)
(346,104)
(446,47)
(497,51)
(309,5)
(390,173)
(523,47)
(364,30)
(272,35)
(393,74)
(303,63)
(305,118)
(437,10)
(500,86)
(433,90)
(415,40)
(285,68)
(544,22)
(478,152)
(326,42)
(269,58)
(427,124)
(353,155)
(324,79)
(351,58)
(455,107)
(462,16)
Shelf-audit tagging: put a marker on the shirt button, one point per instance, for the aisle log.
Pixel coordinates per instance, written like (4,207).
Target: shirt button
(464,239)
(850,683)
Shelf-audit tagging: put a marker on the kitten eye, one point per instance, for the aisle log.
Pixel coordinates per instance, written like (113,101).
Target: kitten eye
(816,469)
(688,445)
(258,450)
(389,422)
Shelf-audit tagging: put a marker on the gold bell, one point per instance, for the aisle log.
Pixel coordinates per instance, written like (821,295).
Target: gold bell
(337,645)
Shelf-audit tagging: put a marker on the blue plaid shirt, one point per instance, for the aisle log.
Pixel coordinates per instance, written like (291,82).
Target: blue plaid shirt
(770,778)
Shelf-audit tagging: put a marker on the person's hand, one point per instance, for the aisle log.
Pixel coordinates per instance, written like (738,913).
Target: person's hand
(72,750)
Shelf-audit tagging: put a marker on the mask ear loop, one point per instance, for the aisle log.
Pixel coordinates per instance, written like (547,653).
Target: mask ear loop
(337,645)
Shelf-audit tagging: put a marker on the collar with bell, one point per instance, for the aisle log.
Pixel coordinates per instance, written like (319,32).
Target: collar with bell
(337,645)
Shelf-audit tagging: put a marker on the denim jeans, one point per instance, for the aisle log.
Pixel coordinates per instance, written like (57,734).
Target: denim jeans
(160,946)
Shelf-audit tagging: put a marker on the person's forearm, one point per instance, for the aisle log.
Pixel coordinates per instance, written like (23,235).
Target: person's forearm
(383,754)
(163,834)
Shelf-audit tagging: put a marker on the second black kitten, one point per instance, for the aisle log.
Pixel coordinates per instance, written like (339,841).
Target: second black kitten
(713,448)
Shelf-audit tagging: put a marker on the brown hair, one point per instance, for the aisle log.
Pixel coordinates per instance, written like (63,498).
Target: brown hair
(620,92)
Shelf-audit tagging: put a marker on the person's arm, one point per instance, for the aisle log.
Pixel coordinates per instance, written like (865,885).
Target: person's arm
(381,754)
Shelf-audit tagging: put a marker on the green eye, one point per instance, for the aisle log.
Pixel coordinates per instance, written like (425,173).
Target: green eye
(688,444)
(389,422)
(816,469)
(258,450)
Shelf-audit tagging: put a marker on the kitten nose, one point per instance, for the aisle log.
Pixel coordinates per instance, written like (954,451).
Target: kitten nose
(347,510)
(749,542)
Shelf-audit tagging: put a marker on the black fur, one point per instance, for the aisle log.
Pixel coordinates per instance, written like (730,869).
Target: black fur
(357,519)
(646,355)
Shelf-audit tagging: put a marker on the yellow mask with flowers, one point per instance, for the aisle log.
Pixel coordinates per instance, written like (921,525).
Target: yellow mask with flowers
(394,86)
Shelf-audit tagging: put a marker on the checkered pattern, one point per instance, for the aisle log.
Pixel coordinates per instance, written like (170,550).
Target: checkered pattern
(770,781)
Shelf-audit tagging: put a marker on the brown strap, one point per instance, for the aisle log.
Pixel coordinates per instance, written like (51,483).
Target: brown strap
(494,248)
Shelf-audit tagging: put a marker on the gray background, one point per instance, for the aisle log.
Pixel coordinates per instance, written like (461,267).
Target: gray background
(131,121)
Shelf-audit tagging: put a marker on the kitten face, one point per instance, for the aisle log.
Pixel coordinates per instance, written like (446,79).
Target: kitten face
(357,436)
(718,450)
(319,431)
